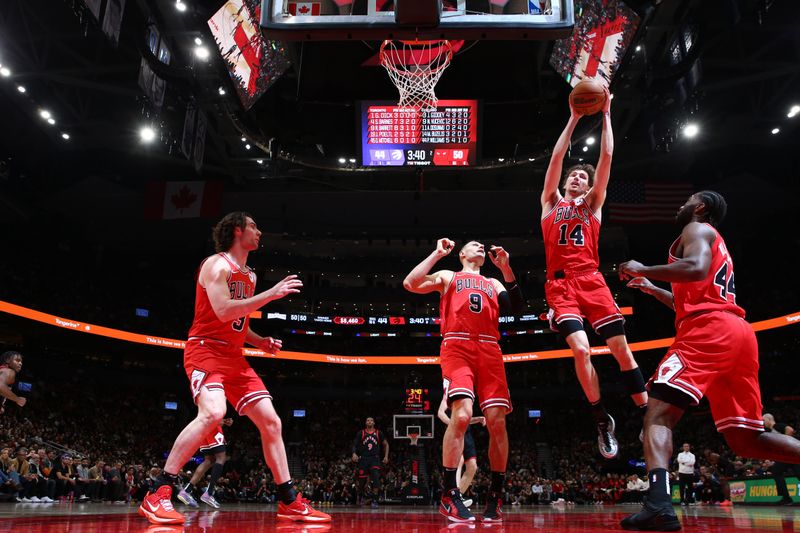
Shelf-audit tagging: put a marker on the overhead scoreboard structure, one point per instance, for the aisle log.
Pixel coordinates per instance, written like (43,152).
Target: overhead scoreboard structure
(402,136)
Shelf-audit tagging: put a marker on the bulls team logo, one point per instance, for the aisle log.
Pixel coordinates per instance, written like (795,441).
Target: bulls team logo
(198,376)
(671,366)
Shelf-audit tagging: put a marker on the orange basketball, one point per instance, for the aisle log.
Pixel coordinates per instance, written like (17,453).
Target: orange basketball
(588,97)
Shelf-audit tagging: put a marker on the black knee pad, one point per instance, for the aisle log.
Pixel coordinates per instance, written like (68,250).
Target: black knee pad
(612,330)
(569,326)
(667,394)
(633,381)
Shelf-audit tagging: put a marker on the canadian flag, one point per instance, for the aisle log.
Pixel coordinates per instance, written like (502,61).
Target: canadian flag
(182,199)
(304,9)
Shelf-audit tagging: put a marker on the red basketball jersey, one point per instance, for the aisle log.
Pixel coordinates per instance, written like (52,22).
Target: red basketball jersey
(213,439)
(470,305)
(717,292)
(206,325)
(571,232)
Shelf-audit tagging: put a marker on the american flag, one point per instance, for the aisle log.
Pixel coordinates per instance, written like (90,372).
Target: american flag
(636,202)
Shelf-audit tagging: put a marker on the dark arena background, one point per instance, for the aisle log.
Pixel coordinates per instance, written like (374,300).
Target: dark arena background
(129,128)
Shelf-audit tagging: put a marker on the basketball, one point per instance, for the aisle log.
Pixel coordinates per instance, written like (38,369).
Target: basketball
(588,97)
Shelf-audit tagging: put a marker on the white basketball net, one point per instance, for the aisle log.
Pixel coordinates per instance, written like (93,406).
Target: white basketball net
(415,67)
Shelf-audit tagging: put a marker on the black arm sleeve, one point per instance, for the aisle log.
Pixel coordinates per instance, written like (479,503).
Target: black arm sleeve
(511,300)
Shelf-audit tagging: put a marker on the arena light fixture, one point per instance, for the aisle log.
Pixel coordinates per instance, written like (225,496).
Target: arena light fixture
(590,140)
(5,72)
(21,88)
(147,134)
(691,130)
(585,148)
(247,146)
(51,121)
(501,159)
(180,6)
(198,41)
(638,47)
(775,131)
(342,160)
(794,111)
(260,161)
(45,114)
(65,136)
(244,139)
(352,159)
(201,52)
(221,91)
(531,159)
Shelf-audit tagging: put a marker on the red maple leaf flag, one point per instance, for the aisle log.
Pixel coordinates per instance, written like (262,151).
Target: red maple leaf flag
(182,199)
(304,9)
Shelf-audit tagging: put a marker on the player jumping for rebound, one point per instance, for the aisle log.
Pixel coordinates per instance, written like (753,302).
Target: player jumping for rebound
(214,452)
(216,367)
(469,458)
(714,354)
(472,363)
(575,289)
(366,451)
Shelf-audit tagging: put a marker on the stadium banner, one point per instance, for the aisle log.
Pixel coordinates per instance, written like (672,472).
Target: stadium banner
(152,340)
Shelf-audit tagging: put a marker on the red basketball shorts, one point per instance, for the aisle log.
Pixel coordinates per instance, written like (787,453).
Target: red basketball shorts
(475,368)
(586,295)
(715,354)
(221,369)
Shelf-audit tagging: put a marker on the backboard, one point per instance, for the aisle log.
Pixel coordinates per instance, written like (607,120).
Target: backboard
(403,425)
(343,20)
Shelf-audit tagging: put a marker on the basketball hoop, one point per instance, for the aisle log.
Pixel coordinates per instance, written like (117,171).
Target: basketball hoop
(414,437)
(415,67)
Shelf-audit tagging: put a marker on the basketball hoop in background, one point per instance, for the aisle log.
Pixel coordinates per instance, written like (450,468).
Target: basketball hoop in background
(415,68)
(414,437)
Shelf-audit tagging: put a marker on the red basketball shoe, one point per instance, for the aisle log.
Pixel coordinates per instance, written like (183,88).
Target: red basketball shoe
(301,511)
(157,507)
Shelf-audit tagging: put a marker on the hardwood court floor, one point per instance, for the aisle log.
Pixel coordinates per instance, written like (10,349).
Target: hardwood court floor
(97,518)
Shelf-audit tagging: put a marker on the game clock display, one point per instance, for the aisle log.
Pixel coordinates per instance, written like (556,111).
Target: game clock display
(401,136)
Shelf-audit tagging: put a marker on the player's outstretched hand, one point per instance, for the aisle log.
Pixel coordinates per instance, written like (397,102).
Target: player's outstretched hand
(630,269)
(444,247)
(643,284)
(607,105)
(355,458)
(271,345)
(499,256)
(286,286)
(21,401)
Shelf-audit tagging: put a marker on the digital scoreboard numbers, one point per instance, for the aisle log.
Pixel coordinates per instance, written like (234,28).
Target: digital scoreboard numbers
(401,136)
(416,401)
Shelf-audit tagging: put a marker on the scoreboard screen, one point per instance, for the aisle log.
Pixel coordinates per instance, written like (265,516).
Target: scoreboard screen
(400,136)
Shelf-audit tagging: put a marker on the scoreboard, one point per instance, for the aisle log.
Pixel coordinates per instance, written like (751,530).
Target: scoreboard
(402,136)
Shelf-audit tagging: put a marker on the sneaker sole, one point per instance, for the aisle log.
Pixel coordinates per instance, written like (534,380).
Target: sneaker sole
(303,518)
(457,519)
(153,519)
(188,502)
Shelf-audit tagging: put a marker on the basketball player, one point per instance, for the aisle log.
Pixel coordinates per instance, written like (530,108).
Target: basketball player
(471,361)
(575,290)
(365,451)
(714,354)
(214,453)
(10,365)
(469,458)
(217,369)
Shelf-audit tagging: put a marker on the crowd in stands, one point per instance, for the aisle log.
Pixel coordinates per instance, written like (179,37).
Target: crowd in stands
(87,440)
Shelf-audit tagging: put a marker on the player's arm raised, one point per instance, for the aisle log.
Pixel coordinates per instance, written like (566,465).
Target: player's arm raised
(214,277)
(511,299)
(693,266)
(550,194)
(597,196)
(644,285)
(420,282)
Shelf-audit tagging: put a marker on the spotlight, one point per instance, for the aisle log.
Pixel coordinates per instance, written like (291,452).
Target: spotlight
(180,6)
(531,159)
(501,159)
(5,72)
(794,111)
(147,134)
(585,148)
(342,160)
(691,130)
(638,48)
(44,113)
(65,136)
(776,131)
(590,140)
(201,52)
(352,159)
(260,161)
(21,89)
(221,91)
(247,146)
(198,41)
(244,139)
(51,121)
